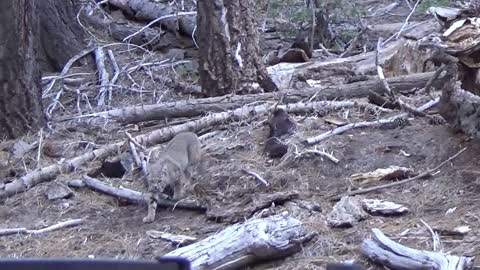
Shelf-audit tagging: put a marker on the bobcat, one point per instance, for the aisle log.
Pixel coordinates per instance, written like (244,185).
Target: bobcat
(172,168)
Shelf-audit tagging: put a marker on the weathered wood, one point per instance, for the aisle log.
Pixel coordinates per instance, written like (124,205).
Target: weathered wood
(246,243)
(135,196)
(381,207)
(196,107)
(50,172)
(238,210)
(383,250)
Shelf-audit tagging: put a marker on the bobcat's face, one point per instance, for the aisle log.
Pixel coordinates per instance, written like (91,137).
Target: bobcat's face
(156,180)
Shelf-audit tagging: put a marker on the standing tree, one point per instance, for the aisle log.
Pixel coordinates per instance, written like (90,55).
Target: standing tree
(229,54)
(61,35)
(23,50)
(20,92)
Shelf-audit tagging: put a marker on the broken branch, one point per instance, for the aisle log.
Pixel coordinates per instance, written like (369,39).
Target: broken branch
(383,250)
(64,224)
(378,123)
(135,196)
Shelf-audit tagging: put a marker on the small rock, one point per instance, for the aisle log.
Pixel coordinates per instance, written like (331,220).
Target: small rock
(58,191)
(385,208)
(346,213)
(65,205)
(77,183)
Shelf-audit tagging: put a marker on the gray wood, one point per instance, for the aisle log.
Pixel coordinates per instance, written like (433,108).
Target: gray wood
(383,250)
(245,243)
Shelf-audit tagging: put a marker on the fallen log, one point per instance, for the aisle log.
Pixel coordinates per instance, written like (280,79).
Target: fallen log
(144,10)
(135,196)
(50,172)
(383,250)
(246,243)
(149,38)
(196,107)
(162,135)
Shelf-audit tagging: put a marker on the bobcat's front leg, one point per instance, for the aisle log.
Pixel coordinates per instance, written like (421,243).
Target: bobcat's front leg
(179,187)
(152,208)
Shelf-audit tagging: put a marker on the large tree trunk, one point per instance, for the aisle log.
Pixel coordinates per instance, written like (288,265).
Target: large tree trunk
(61,35)
(20,93)
(230,60)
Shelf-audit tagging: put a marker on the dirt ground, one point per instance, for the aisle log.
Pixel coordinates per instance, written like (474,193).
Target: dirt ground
(114,229)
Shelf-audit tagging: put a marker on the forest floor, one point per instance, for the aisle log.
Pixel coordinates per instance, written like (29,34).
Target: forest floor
(115,229)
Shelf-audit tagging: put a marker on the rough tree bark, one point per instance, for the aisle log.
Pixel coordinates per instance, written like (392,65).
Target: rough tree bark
(229,54)
(20,93)
(61,36)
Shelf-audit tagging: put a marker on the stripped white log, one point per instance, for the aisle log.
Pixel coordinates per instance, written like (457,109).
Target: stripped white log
(196,107)
(102,75)
(383,250)
(245,243)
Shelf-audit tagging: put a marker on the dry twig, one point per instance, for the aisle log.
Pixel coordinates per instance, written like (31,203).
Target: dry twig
(257,176)
(64,224)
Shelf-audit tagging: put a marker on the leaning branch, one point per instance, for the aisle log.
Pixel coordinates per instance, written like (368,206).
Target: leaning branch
(378,123)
